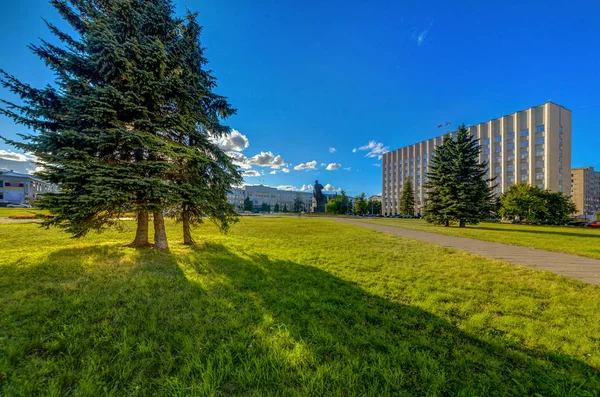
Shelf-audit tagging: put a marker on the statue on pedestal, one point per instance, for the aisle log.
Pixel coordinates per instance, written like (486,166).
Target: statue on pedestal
(320,198)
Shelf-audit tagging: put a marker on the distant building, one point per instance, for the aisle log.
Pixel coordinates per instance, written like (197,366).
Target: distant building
(585,190)
(529,146)
(376,198)
(22,188)
(261,194)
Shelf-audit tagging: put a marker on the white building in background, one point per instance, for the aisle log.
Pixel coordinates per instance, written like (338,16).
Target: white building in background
(261,194)
(22,188)
(529,146)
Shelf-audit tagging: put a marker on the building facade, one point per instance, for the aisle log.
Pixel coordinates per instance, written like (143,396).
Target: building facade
(529,146)
(585,191)
(260,194)
(16,188)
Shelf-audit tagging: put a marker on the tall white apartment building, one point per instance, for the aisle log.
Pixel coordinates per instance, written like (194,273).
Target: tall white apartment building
(529,146)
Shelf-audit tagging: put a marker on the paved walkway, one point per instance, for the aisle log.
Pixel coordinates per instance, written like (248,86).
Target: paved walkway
(579,267)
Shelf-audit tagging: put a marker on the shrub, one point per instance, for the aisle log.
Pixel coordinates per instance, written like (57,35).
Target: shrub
(23,216)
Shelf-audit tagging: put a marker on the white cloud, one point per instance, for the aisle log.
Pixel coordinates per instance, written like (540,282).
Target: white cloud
(273,172)
(333,166)
(239,159)
(263,159)
(323,164)
(375,149)
(286,187)
(377,165)
(306,187)
(330,188)
(347,168)
(251,173)
(14,156)
(234,141)
(266,159)
(310,165)
(420,35)
(354,150)
(18,162)
(332,150)
(285,170)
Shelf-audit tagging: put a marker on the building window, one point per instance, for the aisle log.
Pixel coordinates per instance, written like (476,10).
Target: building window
(524,155)
(486,141)
(511,179)
(539,175)
(510,146)
(560,176)
(560,129)
(510,135)
(525,132)
(539,141)
(524,177)
(524,143)
(539,128)
(498,149)
(498,139)
(498,170)
(539,152)
(560,187)
(510,168)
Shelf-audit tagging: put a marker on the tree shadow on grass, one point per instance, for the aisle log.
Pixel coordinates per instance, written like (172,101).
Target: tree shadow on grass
(108,320)
(356,343)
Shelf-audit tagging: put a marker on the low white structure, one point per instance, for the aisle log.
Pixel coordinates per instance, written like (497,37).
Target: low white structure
(261,194)
(21,188)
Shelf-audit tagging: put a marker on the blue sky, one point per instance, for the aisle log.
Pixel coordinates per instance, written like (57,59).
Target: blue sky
(310,76)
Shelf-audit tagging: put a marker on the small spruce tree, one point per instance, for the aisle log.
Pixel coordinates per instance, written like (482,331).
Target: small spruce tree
(407,200)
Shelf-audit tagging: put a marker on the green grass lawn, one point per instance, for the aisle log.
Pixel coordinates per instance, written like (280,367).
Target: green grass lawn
(285,306)
(6,212)
(567,239)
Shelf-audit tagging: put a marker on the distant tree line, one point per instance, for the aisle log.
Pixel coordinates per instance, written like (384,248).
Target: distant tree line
(341,204)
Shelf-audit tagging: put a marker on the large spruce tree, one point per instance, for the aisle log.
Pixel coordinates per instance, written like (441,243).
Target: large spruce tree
(407,199)
(458,186)
(205,173)
(126,124)
(439,184)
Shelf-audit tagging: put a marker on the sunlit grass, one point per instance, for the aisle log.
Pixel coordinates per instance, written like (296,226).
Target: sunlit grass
(6,212)
(567,239)
(285,306)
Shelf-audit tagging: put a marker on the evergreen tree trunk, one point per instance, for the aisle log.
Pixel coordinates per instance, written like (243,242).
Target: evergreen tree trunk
(141,233)
(187,233)
(447,224)
(461,223)
(160,236)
